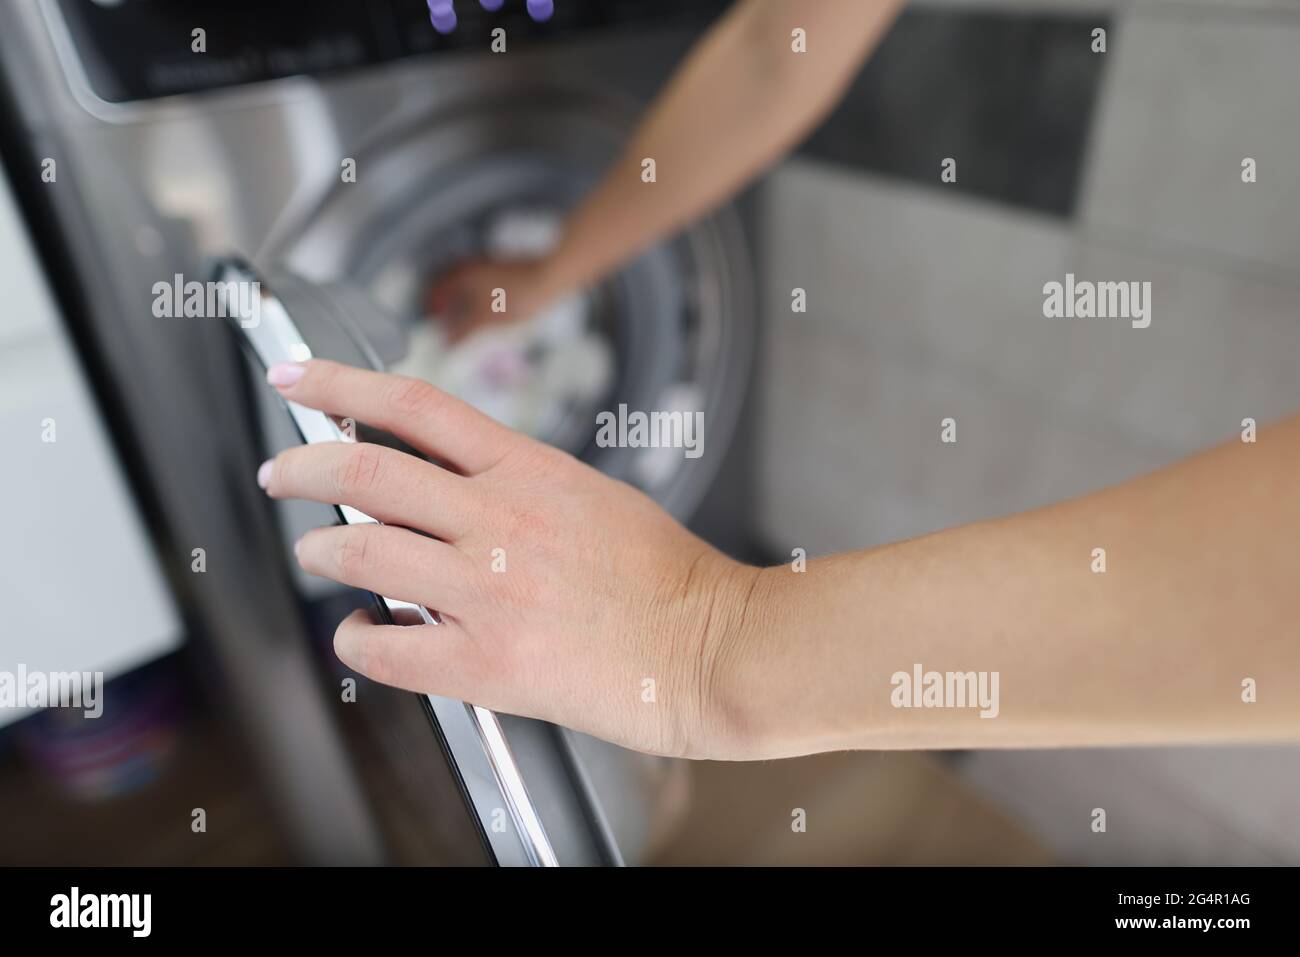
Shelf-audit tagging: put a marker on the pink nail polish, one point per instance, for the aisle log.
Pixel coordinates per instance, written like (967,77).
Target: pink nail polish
(284,374)
(264,473)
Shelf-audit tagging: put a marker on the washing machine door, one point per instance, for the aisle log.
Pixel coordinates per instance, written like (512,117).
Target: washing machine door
(670,332)
(524,787)
(290,320)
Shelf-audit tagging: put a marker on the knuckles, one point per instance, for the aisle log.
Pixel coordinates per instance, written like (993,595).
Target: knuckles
(357,470)
(529,525)
(350,551)
(412,398)
(339,553)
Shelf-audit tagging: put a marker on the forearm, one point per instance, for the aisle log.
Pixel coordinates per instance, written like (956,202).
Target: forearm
(739,102)
(1198,595)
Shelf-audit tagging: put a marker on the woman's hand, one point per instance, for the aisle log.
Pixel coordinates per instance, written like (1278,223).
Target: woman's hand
(565,595)
(480,292)
(569,596)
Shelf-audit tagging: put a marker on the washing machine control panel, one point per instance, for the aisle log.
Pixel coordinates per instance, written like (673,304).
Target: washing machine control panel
(144,49)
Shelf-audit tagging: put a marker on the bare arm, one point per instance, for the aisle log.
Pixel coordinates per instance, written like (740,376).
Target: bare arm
(1198,594)
(609,617)
(741,100)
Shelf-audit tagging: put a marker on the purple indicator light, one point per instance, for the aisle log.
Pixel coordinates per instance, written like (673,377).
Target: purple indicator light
(443,13)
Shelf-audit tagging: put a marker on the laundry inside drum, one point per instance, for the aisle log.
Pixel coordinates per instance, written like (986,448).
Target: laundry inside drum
(544,375)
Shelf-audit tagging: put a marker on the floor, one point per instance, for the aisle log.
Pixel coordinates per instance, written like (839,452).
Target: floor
(883,808)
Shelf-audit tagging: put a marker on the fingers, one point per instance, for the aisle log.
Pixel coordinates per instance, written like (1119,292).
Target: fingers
(447,298)
(461,325)
(433,659)
(392,562)
(387,485)
(425,417)
(459,305)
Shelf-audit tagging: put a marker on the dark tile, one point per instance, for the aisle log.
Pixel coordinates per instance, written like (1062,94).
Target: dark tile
(1009,96)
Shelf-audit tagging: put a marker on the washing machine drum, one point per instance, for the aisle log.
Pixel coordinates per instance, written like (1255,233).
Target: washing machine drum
(670,333)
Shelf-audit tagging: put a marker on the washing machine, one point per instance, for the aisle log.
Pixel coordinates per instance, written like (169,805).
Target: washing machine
(351,155)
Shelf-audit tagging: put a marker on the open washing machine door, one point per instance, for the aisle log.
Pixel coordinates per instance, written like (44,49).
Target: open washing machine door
(671,331)
(522,786)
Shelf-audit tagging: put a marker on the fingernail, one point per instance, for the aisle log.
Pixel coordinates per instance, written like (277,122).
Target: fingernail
(284,374)
(264,473)
(296,546)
